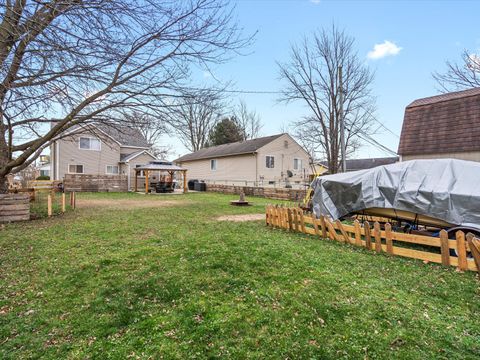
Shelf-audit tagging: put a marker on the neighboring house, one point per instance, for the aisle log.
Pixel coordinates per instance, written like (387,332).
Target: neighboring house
(44,170)
(99,150)
(443,126)
(263,161)
(362,164)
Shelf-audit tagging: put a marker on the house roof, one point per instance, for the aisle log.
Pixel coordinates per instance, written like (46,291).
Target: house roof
(160,167)
(125,135)
(362,164)
(133,155)
(236,148)
(445,123)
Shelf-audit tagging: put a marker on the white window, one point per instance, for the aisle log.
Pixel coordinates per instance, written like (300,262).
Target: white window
(75,169)
(89,143)
(140,173)
(112,169)
(270,162)
(213,164)
(297,164)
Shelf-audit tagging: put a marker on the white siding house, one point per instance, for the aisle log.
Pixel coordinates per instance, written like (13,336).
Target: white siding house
(276,160)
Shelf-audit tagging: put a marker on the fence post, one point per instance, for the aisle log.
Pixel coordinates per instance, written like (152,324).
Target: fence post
(378,237)
(280,214)
(302,219)
(324,226)
(74,200)
(445,249)
(284,217)
(388,238)
(315,224)
(358,233)
(295,219)
(461,250)
(368,237)
(63,202)
(290,223)
(49,205)
(71,199)
(474,249)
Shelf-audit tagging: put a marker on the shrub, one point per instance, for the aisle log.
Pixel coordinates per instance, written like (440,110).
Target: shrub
(43,177)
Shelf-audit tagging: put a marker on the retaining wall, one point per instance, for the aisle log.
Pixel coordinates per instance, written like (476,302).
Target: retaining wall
(270,193)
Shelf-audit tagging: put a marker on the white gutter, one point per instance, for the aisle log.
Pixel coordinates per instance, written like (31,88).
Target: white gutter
(128,177)
(57,160)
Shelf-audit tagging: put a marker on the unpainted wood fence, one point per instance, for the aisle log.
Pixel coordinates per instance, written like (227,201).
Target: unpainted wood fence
(372,237)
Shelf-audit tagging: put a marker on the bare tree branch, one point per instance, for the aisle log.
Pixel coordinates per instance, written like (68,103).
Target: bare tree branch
(92,60)
(311,76)
(460,76)
(193,117)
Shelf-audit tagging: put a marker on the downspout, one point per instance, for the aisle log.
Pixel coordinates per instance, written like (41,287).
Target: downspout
(57,160)
(128,177)
(256,169)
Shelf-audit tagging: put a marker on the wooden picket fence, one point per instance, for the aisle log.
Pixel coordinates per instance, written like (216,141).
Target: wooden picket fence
(381,240)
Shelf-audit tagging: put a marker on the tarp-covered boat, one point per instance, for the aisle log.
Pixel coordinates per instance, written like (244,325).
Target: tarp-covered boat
(441,192)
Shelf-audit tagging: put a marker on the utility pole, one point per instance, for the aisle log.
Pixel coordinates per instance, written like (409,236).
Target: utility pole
(343,164)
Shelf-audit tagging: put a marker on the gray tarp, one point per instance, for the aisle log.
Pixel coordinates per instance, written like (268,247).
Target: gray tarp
(445,189)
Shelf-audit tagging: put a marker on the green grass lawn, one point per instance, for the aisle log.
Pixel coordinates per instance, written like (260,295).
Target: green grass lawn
(151,282)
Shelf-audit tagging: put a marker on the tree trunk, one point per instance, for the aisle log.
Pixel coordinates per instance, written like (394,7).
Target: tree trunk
(3,185)
(3,161)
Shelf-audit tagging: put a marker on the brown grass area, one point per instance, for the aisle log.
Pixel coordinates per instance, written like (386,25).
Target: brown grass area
(240,218)
(128,203)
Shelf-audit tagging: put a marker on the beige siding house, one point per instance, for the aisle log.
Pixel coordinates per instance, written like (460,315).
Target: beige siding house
(276,160)
(99,150)
(443,126)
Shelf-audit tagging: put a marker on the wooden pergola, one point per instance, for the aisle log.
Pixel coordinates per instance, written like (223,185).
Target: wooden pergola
(169,168)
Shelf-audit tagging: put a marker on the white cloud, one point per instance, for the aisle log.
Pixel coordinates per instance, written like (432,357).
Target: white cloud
(387,48)
(315,1)
(207,74)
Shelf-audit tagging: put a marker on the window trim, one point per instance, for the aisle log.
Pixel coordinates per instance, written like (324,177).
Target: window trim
(68,169)
(299,162)
(271,156)
(216,163)
(90,138)
(111,173)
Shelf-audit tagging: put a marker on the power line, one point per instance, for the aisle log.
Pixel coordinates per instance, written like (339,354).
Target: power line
(270,92)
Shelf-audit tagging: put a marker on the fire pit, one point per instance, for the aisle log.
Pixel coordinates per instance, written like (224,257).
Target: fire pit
(241,201)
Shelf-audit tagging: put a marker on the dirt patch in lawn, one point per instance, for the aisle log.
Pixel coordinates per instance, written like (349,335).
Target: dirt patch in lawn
(128,203)
(240,218)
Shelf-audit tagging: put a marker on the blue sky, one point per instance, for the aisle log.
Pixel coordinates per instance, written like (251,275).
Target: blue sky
(428,33)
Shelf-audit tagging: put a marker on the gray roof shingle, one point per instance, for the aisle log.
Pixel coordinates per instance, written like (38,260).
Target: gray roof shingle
(125,135)
(236,148)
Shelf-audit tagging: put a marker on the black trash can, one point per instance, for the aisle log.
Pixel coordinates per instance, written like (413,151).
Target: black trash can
(191,184)
(200,186)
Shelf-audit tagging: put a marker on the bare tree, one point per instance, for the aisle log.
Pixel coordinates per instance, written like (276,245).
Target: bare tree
(248,120)
(311,76)
(460,76)
(77,62)
(152,128)
(194,116)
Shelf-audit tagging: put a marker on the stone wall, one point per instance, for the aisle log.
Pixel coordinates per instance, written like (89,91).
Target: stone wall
(266,192)
(94,183)
(14,207)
